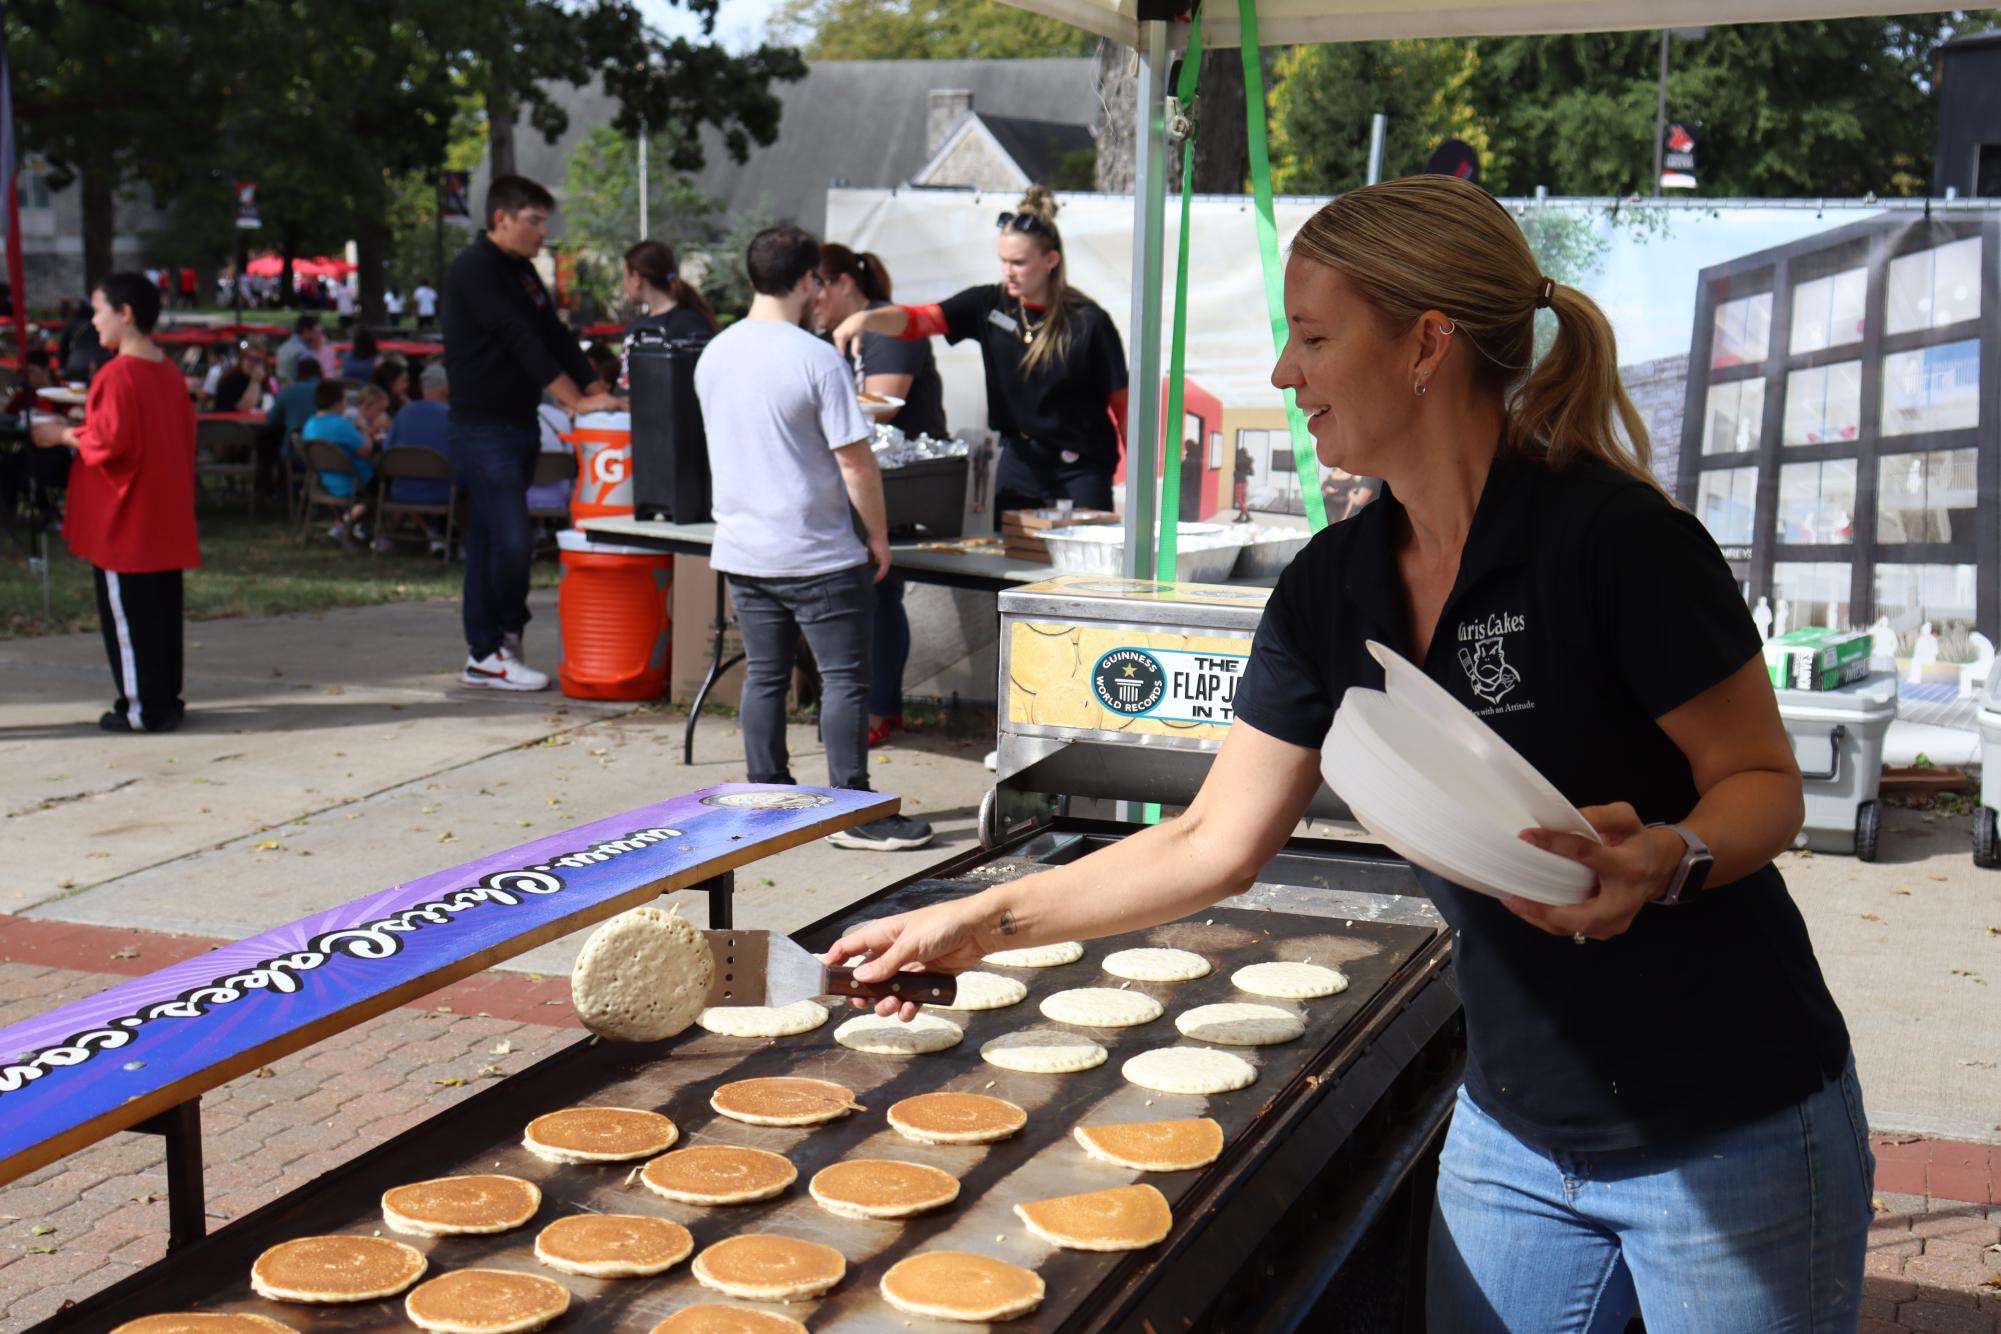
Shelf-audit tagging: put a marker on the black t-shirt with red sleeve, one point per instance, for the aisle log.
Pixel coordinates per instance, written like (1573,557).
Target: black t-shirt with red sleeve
(1065,404)
(1587,605)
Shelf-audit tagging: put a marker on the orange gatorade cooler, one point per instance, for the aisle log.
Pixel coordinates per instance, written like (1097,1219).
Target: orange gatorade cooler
(613,626)
(603,441)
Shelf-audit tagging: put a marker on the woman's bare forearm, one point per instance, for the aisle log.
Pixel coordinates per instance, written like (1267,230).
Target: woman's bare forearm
(1747,819)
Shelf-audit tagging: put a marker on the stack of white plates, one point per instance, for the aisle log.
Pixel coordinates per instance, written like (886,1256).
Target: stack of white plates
(1438,786)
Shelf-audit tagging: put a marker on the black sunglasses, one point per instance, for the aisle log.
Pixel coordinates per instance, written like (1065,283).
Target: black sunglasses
(1022,222)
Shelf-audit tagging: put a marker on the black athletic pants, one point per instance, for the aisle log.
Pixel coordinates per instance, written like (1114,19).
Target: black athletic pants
(140,615)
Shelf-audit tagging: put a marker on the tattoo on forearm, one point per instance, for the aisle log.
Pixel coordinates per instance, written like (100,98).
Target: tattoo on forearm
(1007,926)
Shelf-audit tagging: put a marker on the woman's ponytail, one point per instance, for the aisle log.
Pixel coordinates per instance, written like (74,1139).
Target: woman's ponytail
(1573,398)
(684,294)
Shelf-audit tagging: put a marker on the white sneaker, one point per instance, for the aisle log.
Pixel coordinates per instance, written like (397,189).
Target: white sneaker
(501,670)
(992,761)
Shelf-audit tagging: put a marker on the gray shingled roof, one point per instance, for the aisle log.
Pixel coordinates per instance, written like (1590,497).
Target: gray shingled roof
(1037,146)
(857,121)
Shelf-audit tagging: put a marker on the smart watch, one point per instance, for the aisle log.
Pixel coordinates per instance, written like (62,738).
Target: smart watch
(1693,872)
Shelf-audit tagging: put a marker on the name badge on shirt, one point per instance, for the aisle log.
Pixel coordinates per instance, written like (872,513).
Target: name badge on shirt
(1003,319)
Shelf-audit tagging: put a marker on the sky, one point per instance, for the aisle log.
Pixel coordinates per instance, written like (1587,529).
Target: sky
(739,23)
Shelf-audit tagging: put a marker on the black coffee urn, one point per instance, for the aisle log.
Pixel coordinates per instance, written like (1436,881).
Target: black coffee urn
(670,452)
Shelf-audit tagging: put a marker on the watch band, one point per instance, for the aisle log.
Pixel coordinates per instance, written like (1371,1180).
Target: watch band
(1692,872)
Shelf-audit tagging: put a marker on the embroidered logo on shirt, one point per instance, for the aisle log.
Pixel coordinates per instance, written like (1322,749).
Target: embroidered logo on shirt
(1484,660)
(1003,319)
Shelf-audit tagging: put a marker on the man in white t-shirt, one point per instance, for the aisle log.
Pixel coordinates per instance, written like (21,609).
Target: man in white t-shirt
(426,297)
(794,479)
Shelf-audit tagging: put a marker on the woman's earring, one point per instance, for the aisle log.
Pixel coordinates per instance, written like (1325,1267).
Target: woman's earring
(1419,388)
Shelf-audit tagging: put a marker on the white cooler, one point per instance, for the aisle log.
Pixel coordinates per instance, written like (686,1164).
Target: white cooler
(1838,739)
(1986,844)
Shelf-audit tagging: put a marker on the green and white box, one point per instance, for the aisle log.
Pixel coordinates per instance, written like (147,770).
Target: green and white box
(1817,659)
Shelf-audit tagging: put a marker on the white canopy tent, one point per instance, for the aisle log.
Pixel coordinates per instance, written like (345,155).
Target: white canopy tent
(1151,29)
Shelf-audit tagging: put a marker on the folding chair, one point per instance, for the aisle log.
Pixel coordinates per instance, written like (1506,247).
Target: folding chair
(228,450)
(323,456)
(417,464)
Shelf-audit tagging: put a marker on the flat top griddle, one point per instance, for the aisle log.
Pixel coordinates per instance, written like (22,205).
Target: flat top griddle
(676,1077)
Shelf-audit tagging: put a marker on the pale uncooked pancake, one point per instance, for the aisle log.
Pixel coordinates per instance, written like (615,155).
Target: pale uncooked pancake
(1038,956)
(882,1188)
(1196,1070)
(205,1322)
(486,1301)
(987,991)
(336,1269)
(763,1021)
(892,1037)
(765,1267)
(718,1174)
(1289,981)
(1154,1146)
(716,1318)
(1043,1051)
(959,1285)
(613,1245)
(1234,1024)
(1101,1007)
(1125,1218)
(643,976)
(956,1118)
(1157,965)
(455,1206)
(783,1101)
(599,1135)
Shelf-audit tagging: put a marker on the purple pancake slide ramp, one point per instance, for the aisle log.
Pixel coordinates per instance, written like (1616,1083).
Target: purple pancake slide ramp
(110,1061)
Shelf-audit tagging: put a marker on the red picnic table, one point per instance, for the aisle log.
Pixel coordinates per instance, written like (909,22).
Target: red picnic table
(409,347)
(604,331)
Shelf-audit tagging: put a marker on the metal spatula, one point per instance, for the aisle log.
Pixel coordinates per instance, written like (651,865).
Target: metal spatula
(767,968)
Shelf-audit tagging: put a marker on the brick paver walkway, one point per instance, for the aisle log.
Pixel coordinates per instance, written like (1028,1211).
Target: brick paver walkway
(90,1220)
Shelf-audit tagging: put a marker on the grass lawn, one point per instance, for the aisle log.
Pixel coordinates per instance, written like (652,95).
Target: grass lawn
(249,568)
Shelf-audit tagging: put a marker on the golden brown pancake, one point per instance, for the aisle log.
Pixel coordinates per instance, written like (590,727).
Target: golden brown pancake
(765,1267)
(205,1322)
(336,1269)
(956,1118)
(718,1174)
(1125,1218)
(486,1301)
(1154,1146)
(882,1188)
(599,1135)
(455,1206)
(783,1101)
(613,1245)
(716,1318)
(959,1285)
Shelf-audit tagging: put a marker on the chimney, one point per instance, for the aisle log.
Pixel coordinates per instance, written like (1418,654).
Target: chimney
(949,106)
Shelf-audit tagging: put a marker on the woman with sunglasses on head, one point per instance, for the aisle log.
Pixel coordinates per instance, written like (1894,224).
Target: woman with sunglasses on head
(1055,368)
(853,283)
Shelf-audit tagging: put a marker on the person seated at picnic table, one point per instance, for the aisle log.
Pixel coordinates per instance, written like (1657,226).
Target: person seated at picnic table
(359,363)
(241,388)
(328,423)
(216,360)
(371,413)
(423,423)
(392,376)
(308,339)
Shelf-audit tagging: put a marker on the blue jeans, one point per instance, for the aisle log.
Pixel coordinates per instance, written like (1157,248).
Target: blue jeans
(836,613)
(1755,1230)
(493,463)
(892,649)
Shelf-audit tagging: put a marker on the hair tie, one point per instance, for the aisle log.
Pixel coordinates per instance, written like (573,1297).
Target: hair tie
(1548,290)
(671,276)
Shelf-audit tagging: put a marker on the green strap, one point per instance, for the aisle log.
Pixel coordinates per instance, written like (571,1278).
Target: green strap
(1168,547)
(1254,123)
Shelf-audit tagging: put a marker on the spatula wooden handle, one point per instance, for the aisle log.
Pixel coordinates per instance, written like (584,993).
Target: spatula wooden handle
(919,988)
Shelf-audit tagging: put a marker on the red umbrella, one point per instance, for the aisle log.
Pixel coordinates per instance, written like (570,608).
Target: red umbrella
(319,266)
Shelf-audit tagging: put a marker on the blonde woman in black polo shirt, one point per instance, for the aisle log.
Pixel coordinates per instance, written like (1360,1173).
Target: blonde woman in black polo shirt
(1055,369)
(1660,1106)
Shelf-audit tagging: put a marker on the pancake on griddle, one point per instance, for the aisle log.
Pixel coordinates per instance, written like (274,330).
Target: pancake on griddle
(882,1188)
(613,1245)
(1154,1146)
(960,1285)
(716,1318)
(765,1267)
(1125,1218)
(718,1174)
(956,1118)
(205,1322)
(599,1135)
(486,1301)
(461,1206)
(783,1101)
(336,1269)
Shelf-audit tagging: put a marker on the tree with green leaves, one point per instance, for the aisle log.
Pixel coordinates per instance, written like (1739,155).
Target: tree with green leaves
(601,218)
(925,30)
(1323,98)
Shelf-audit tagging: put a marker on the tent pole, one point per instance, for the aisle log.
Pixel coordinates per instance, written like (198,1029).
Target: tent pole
(1143,352)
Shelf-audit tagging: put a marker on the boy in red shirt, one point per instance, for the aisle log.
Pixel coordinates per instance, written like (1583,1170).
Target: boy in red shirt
(132,503)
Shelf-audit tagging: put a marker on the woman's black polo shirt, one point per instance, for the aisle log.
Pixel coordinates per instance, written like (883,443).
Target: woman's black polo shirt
(1587,605)
(1063,405)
